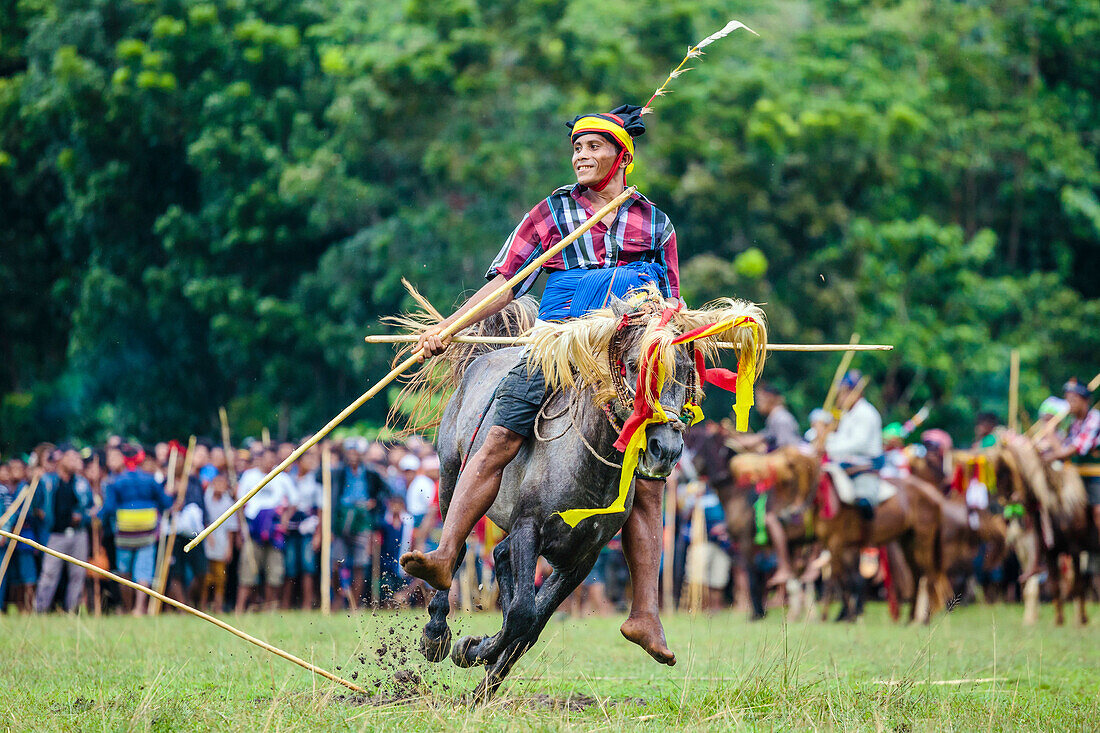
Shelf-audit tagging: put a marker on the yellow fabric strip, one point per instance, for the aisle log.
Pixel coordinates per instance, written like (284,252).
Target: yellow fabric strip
(136,520)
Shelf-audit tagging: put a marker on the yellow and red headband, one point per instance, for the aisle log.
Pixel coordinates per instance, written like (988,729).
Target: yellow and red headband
(621,125)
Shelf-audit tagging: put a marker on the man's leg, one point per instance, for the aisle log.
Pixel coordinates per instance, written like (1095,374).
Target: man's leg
(473,495)
(642,548)
(51,576)
(77,546)
(778,537)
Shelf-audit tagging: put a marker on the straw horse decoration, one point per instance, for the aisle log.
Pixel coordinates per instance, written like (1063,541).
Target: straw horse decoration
(1053,499)
(569,489)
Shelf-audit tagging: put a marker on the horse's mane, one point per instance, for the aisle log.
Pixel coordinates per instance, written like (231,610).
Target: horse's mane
(1060,492)
(426,391)
(574,354)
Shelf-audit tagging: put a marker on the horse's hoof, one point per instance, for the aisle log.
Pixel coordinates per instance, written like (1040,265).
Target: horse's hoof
(486,689)
(463,654)
(436,650)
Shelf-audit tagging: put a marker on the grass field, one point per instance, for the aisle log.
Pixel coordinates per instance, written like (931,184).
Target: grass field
(179,673)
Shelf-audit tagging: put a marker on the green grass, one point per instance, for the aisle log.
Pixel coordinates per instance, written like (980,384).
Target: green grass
(179,673)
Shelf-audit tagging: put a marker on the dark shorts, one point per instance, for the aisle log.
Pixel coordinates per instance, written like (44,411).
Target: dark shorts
(1092,489)
(519,397)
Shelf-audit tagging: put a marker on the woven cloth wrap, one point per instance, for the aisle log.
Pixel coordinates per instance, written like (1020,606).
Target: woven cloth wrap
(573,293)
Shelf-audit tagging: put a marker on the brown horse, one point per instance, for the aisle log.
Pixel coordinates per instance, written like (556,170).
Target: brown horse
(911,518)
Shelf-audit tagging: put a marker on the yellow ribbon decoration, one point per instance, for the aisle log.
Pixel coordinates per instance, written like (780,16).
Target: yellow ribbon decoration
(744,400)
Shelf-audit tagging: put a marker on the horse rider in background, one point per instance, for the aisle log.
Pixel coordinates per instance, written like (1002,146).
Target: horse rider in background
(627,249)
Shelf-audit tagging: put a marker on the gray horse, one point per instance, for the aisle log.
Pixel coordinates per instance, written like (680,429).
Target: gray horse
(570,463)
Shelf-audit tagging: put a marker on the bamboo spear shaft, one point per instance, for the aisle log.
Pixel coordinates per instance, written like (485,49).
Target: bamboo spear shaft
(460,323)
(18,528)
(326,531)
(162,539)
(170,545)
(1053,423)
(403,338)
(231,472)
(1014,391)
(845,362)
(187,609)
(19,499)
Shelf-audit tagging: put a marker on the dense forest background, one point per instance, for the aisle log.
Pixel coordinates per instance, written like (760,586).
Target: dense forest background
(210,203)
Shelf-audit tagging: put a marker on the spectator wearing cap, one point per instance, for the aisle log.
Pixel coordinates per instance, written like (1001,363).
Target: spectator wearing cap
(359,499)
(1082,445)
(267,514)
(64,501)
(132,503)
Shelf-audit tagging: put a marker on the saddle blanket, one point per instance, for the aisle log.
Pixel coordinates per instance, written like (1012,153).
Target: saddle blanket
(867,486)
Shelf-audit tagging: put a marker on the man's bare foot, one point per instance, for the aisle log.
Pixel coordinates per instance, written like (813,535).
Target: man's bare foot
(433,570)
(646,632)
(780,578)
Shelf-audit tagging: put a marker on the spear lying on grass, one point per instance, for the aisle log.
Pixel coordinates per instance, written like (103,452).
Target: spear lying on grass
(187,609)
(403,338)
(460,323)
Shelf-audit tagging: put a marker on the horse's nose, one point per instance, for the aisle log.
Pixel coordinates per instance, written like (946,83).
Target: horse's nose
(664,449)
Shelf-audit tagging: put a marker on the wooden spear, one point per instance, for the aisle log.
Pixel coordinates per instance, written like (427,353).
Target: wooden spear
(460,323)
(170,545)
(19,499)
(187,609)
(845,362)
(326,530)
(231,473)
(170,489)
(406,338)
(1014,391)
(18,528)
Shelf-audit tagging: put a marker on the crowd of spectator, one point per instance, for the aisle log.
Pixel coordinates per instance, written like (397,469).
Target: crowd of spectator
(117,507)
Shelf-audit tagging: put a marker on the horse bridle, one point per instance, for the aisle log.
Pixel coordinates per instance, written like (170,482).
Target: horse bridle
(624,395)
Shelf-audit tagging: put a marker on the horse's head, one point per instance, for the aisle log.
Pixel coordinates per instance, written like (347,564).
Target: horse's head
(641,359)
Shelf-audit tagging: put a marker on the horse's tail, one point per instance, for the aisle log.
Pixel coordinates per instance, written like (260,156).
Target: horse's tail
(419,406)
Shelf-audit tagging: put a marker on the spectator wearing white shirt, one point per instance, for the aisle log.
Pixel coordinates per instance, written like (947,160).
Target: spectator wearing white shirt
(268,514)
(302,538)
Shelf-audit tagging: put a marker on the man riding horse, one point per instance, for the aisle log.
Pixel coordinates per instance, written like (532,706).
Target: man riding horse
(630,247)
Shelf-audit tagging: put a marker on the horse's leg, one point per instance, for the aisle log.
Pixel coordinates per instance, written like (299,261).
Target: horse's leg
(519,612)
(464,654)
(435,641)
(1055,569)
(553,593)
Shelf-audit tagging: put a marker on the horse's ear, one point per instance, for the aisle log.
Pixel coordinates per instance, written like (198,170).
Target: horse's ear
(618,306)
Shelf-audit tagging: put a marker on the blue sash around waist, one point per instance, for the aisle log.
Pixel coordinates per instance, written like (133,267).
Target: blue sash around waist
(573,293)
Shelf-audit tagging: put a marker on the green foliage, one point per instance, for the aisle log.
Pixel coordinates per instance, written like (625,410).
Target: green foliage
(211,203)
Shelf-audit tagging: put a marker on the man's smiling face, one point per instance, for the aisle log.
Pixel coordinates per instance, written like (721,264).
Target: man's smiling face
(593,157)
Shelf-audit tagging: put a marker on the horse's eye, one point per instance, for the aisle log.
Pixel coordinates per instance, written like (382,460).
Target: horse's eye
(632,365)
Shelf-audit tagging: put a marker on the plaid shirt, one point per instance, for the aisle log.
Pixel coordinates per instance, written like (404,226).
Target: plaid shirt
(640,233)
(1084,435)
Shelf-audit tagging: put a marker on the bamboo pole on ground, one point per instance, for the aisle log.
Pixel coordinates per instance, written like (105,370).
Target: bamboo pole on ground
(408,338)
(845,362)
(188,609)
(326,531)
(27,502)
(471,316)
(1053,423)
(1014,391)
(170,545)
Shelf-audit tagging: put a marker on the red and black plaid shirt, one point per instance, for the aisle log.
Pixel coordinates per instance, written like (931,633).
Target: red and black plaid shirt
(640,233)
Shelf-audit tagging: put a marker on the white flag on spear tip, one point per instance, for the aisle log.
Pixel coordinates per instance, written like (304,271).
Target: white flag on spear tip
(694,52)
